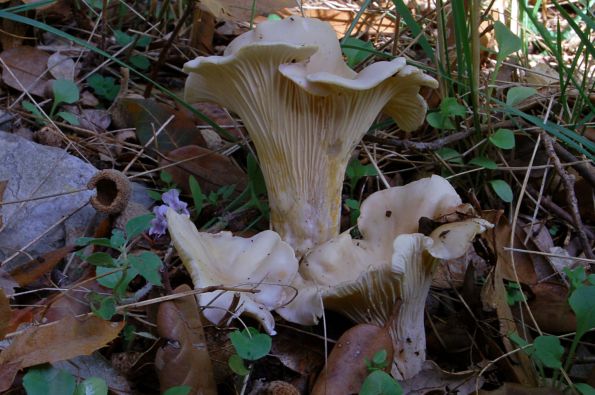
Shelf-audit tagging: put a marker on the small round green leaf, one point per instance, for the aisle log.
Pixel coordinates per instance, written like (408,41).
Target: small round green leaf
(502,189)
(450,155)
(484,162)
(581,302)
(380,357)
(508,42)
(68,117)
(549,351)
(47,380)
(517,94)
(250,344)
(450,107)
(65,91)
(236,364)
(178,390)
(380,383)
(503,138)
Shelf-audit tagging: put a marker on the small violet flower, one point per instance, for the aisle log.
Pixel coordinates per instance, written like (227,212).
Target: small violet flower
(171,199)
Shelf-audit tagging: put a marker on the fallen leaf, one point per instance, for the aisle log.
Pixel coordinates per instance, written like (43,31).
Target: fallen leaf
(433,380)
(7,374)
(62,67)
(5,314)
(550,308)
(148,117)
(26,68)
(7,283)
(211,169)
(31,271)
(346,368)
(60,340)
(185,359)
(301,352)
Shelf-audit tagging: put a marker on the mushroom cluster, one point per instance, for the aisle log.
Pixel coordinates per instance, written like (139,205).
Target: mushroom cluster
(305,110)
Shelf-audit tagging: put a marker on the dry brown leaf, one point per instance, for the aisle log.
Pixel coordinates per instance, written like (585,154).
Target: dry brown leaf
(241,10)
(62,67)
(211,169)
(60,340)
(7,283)
(5,314)
(7,375)
(346,368)
(301,352)
(551,309)
(371,22)
(185,359)
(433,380)
(31,271)
(28,66)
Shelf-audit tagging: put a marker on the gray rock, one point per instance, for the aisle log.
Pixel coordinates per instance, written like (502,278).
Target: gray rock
(34,170)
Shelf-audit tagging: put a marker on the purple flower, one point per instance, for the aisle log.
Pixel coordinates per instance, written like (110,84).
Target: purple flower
(172,200)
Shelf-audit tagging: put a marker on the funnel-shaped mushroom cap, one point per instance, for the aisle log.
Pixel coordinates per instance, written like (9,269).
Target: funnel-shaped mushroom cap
(364,279)
(305,111)
(263,263)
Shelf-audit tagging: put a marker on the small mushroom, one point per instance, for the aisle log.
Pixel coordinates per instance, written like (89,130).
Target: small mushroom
(366,278)
(264,264)
(305,111)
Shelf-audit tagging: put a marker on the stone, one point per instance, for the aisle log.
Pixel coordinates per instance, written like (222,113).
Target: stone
(34,170)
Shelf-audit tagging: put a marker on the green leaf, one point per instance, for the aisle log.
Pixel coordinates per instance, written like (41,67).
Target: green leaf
(27,105)
(68,117)
(576,277)
(197,196)
(585,389)
(514,294)
(508,42)
(582,303)
(103,306)
(516,339)
(502,189)
(356,50)
(166,177)
(122,38)
(503,138)
(450,155)
(92,386)
(105,87)
(255,176)
(236,364)
(380,383)
(112,280)
(138,225)
(484,162)
(140,61)
(355,170)
(47,380)
(250,344)
(439,121)
(143,42)
(148,265)
(65,91)
(101,259)
(517,94)
(380,357)
(84,241)
(450,107)
(549,351)
(118,239)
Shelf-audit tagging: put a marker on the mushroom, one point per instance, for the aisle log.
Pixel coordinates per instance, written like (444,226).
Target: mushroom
(366,278)
(264,263)
(305,111)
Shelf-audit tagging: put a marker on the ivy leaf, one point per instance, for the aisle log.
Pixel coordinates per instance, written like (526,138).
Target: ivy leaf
(250,344)
(47,380)
(508,42)
(105,87)
(503,138)
(148,265)
(484,162)
(517,94)
(502,189)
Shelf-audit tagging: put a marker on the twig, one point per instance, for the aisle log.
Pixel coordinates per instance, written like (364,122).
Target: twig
(583,168)
(568,180)
(421,146)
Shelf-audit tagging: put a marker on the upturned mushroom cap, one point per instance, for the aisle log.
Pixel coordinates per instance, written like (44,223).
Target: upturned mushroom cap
(263,263)
(305,110)
(364,279)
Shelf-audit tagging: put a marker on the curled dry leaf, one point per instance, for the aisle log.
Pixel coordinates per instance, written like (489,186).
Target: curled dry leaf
(25,68)
(184,360)
(211,169)
(346,368)
(60,340)
(31,271)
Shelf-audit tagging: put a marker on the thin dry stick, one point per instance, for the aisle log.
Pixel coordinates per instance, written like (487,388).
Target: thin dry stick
(568,180)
